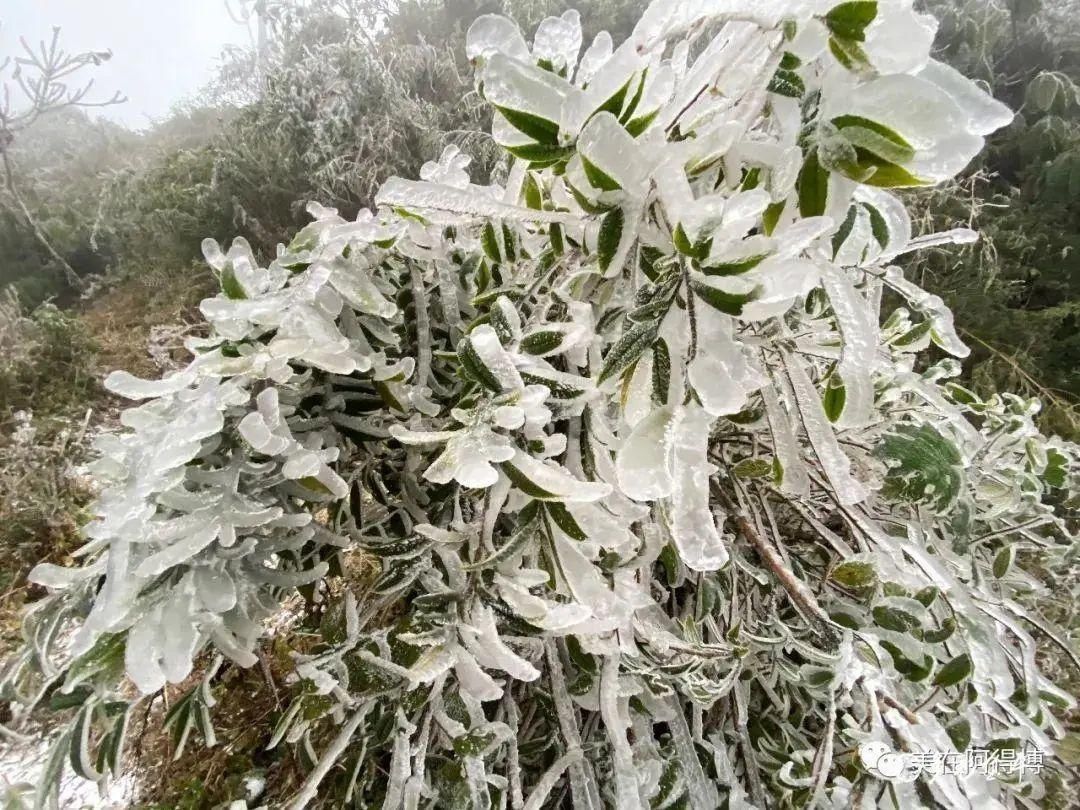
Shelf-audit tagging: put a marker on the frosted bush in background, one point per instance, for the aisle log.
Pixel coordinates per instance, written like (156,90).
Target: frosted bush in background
(671,506)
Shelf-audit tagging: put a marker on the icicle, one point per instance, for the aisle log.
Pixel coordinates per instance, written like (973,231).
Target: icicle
(834,462)
(310,789)
(693,524)
(702,792)
(550,778)
(423,325)
(400,764)
(859,349)
(448,294)
(794,479)
(582,788)
(626,789)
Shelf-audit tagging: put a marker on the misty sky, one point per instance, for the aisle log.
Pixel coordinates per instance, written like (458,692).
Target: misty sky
(163,50)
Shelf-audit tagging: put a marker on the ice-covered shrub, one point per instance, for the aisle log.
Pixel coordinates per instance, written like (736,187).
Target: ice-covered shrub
(672,507)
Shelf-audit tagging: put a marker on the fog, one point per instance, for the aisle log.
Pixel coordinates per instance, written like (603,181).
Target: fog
(163,51)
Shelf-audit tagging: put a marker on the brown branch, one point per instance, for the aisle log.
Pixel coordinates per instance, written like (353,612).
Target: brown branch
(39,234)
(800,594)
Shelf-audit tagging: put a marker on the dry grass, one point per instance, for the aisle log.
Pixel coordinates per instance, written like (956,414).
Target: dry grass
(123,319)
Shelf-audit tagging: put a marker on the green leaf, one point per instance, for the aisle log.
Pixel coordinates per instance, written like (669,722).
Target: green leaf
(953,672)
(905,666)
(638,125)
(959,732)
(472,744)
(878,225)
(558,243)
(889,175)
(813,186)
(863,133)
(849,53)
(844,231)
(854,574)
(565,521)
(474,367)
(834,399)
(753,468)
(771,217)
(727,302)
(539,129)
(61,701)
(541,155)
(542,342)
(790,61)
(661,372)
(849,20)
(587,204)
(1003,561)
(508,243)
(628,348)
(1056,473)
(892,618)
(489,240)
(614,104)
(105,658)
(698,250)
(734,268)
(598,177)
(531,191)
(787,83)
(632,105)
(558,388)
(230,285)
(611,232)
(926,596)
(514,544)
(943,633)
(913,335)
(79,754)
(922,466)
(522,482)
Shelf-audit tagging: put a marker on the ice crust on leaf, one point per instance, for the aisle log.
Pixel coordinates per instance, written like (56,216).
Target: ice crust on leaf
(533,407)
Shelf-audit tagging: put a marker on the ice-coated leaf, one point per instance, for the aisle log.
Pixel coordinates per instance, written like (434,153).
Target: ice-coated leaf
(922,465)
(643,462)
(482,640)
(850,19)
(628,348)
(941,318)
(662,313)
(469,457)
(612,156)
(985,114)
(720,373)
(610,238)
(953,672)
(793,476)
(819,431)
(493,33)
(545,481)
(860,342)
(528,96)
(477,202)
(557,41)
(693,524)
(129,386)
(489,360)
